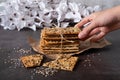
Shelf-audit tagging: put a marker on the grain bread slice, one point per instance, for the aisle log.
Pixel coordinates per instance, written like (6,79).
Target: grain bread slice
(67,63)
(32,60)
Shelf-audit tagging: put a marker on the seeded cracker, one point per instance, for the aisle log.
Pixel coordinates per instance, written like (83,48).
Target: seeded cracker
(57,31)
(32,60)
(59,40)
(67,63)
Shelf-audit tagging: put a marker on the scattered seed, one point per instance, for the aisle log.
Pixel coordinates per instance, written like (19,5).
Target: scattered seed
(15,63)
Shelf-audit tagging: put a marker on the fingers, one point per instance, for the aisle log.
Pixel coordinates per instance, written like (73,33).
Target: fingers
(86,31)
(98,36)
(83,22)
(94,32)
(86,20)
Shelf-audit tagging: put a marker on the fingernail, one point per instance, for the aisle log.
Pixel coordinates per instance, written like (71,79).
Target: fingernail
(81,35)
(75,26)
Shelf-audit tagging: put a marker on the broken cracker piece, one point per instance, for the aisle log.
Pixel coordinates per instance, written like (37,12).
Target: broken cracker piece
(32,60)
(67,63)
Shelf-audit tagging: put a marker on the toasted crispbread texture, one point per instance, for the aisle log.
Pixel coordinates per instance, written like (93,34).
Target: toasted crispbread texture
(60,51)
(56,52)
(55,42)
(57,31)
(59,48)
(62,64)
(59,40)
(32,60)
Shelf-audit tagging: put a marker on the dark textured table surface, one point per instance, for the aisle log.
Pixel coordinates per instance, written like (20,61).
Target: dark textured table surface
(94,64)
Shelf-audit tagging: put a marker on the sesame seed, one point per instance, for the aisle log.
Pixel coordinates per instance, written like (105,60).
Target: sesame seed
(15,63)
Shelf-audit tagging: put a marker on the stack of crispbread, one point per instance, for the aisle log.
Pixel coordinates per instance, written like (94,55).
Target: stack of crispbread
(59,40)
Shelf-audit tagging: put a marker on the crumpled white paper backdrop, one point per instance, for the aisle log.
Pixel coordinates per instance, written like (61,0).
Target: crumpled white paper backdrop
(18,14)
